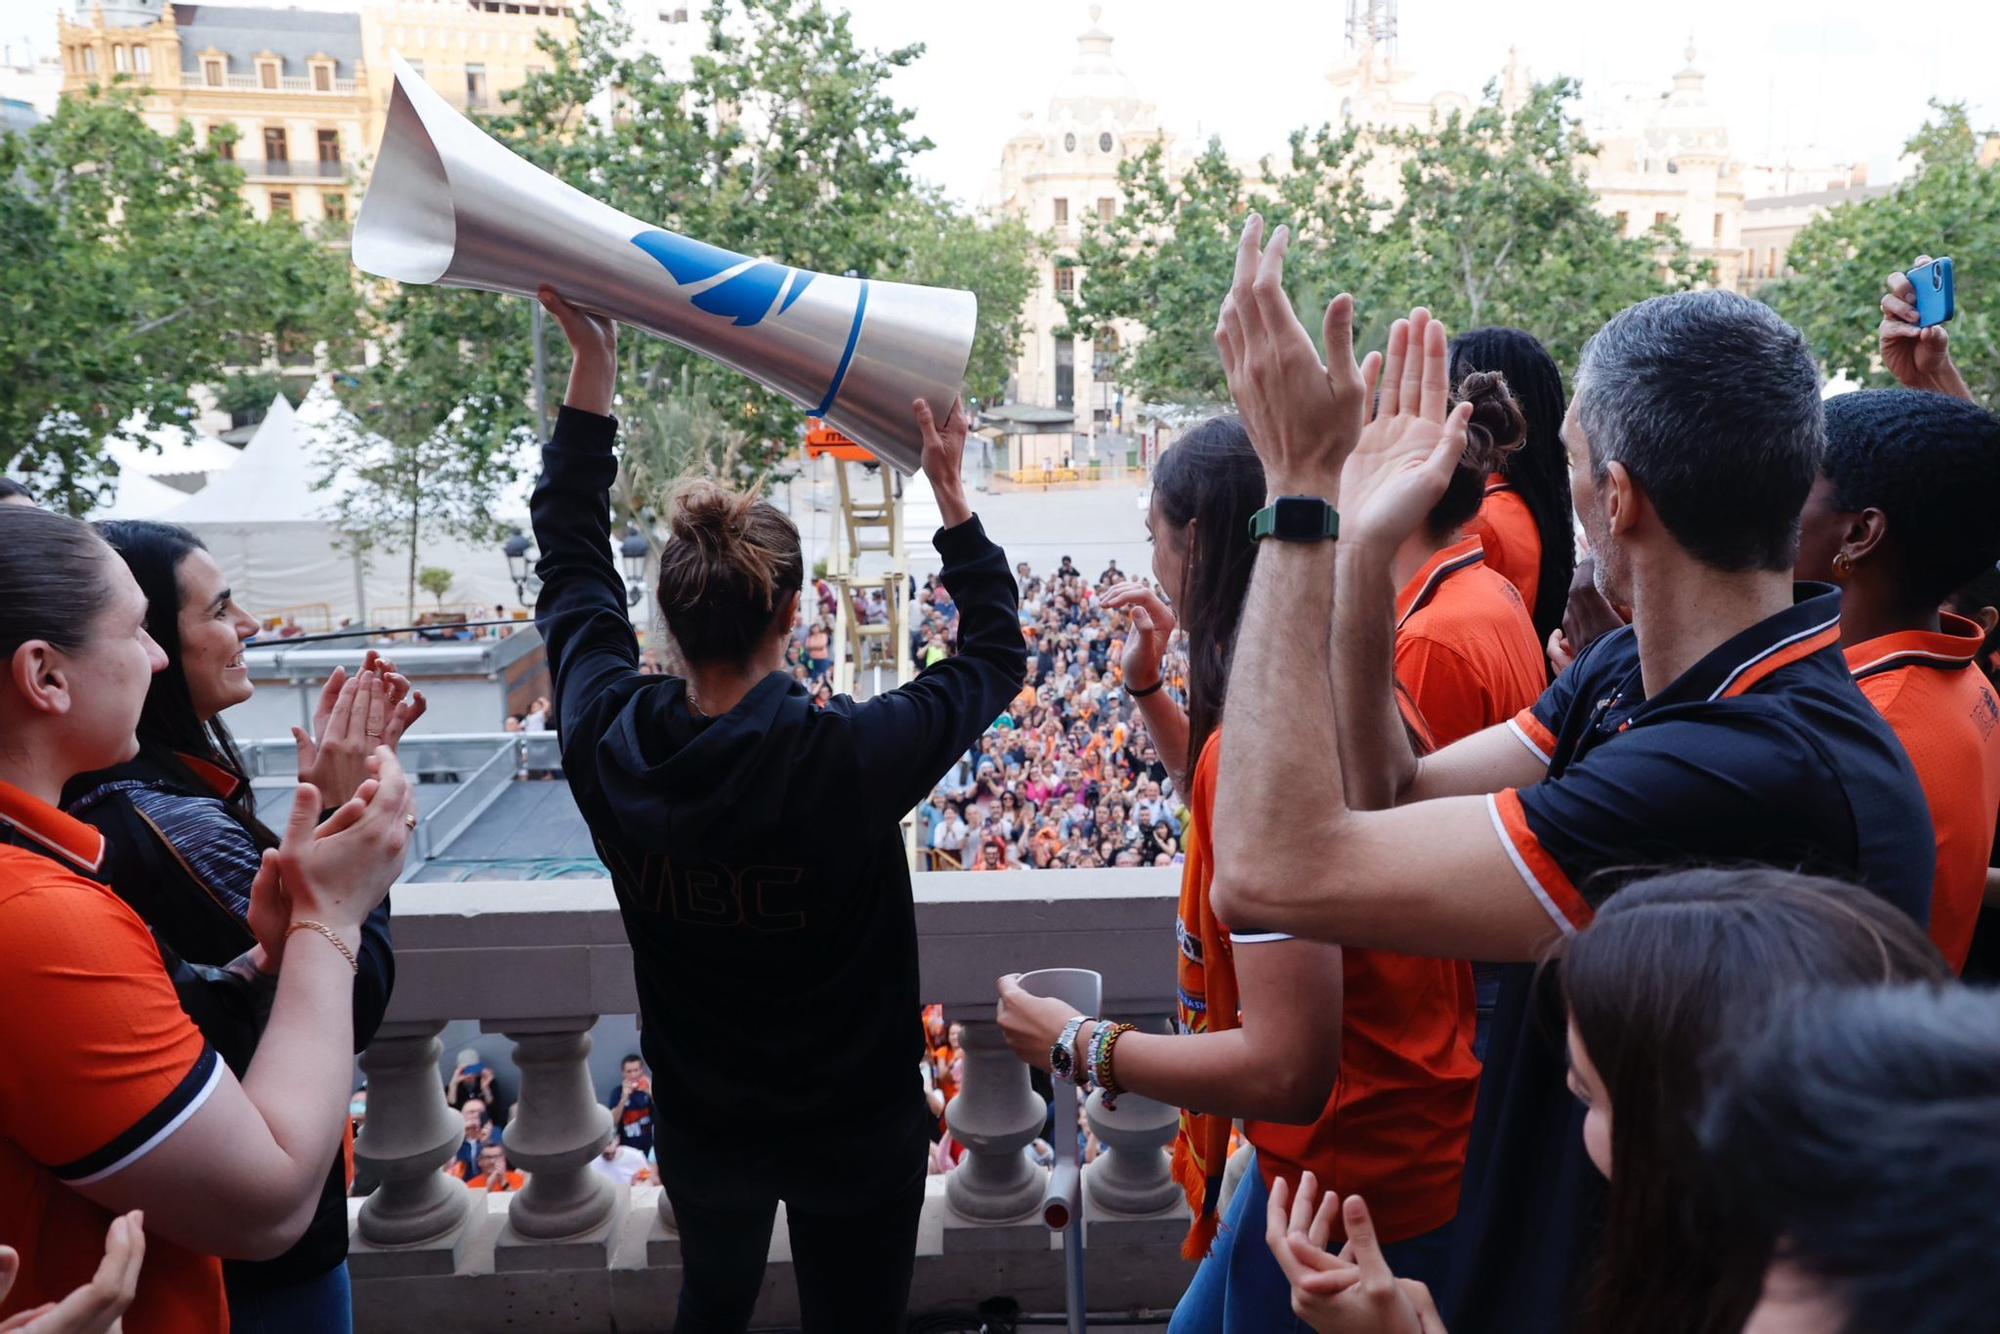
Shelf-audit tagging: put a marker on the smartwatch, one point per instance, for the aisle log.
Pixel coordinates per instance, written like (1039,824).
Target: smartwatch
(1295,519)
(1062,1056)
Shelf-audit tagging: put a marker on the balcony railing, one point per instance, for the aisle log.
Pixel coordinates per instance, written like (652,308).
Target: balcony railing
(289,83)
(539,961)
(295,168)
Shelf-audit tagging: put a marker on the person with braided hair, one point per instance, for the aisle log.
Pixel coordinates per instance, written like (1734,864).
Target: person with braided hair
(1900,518)
(1527,523)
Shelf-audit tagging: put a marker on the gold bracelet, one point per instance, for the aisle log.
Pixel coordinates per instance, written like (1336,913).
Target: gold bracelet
(304,925)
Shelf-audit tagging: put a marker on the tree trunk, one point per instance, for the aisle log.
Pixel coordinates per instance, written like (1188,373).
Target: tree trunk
(416,509)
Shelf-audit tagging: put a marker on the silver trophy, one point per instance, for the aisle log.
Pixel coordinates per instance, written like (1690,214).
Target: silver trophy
(448,204)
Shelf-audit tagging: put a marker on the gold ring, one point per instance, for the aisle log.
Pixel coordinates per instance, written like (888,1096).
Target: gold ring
(376,735)
(410,819)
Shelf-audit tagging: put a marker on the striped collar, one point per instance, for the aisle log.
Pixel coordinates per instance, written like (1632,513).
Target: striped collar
(42,828)
(1952,647)
(1424,584)
(1497,482)
(1740,664)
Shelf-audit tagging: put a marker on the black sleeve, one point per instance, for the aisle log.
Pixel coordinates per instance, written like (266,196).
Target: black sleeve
(376,977)
(906,739)
(230,1005)
(581,610)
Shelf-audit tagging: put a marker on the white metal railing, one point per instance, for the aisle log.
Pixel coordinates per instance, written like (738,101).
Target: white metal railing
(539,961)
(288,83)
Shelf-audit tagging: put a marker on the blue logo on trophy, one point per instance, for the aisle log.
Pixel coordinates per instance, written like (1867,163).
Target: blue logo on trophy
(739,289)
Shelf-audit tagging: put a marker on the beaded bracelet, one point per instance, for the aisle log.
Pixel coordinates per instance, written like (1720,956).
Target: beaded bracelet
(1101,1042)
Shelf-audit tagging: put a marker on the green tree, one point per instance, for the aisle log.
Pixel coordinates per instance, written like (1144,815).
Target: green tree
(134,274)
(1949,206)
(940,246)
(1163,263)
(1498,226)
(434,426)
(435,580)
(1494,224)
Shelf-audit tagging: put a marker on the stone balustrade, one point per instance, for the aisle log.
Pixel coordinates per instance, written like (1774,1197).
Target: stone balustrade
(538,962)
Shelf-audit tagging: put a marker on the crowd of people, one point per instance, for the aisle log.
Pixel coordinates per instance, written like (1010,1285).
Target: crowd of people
(1713,809)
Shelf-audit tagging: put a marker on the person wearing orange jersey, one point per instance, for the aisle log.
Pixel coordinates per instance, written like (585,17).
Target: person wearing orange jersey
(1900,517)
(1526,524)
(1355,1065)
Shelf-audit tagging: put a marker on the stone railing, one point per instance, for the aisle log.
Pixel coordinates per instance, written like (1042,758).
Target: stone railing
(539,961)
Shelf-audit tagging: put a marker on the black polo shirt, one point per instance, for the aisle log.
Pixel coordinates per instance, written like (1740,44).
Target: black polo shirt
(1762,752)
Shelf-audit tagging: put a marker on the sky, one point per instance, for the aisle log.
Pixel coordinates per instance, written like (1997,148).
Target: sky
(1848,79)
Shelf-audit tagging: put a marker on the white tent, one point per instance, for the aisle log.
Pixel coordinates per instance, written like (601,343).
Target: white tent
(269,526)
(140,497)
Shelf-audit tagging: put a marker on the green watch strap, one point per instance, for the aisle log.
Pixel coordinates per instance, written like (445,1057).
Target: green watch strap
(1296,519)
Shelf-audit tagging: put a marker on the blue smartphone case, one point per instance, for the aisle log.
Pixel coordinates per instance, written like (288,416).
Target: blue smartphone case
(1936,302)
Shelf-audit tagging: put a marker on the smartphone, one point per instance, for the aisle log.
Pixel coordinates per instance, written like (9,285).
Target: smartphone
(1936,302)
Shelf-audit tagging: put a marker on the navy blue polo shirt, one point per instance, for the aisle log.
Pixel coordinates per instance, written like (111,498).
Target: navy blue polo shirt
(1762,752)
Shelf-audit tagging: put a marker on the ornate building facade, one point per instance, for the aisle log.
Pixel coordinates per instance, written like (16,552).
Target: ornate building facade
(1061,167)
(291,83)
(470,51)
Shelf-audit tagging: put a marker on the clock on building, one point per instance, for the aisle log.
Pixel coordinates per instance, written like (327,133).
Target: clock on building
(1069,143)
(1104,142)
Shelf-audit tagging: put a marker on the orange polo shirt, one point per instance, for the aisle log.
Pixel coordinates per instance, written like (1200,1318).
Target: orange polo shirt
(1929,689)
(1395,1127)
(1465,645)
(1506,527)
(98,1067)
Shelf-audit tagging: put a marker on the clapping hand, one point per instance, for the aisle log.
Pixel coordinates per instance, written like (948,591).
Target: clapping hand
(1303,416)
(336,872)
(374,707)
(1918,358)
(1152,626)
(96,1307)
(1413,440)
(1350,1293)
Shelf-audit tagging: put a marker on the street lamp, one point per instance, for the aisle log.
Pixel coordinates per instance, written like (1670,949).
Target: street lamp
(632,552)
(526,582)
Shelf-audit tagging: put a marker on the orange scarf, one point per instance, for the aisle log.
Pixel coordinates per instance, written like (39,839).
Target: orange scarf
(1207,1003)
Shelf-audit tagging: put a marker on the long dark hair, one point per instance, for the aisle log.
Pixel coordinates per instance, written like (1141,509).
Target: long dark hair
(1539,470)
(1676,971)
(1212,479)
(168,726)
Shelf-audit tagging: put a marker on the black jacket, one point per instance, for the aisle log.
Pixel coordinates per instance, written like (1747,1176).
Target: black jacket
(184,864)
(757,858)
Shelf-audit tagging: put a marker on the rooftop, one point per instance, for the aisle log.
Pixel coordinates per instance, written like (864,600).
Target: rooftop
(291,34)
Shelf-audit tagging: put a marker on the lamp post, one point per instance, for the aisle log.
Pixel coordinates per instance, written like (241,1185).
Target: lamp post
(632,554)
(526,582)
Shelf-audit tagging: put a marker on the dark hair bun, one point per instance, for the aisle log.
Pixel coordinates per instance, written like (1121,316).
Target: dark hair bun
(1497,428)
(716,522)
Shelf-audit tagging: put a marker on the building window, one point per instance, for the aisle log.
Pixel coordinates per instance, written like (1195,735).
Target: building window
(1718,227)
(1069,143)
(1104,142)
(1062,212)
(1107,209)
(322,77)
(142,60)
(1624,221)
(1659,219)
(274,144)
(281,204)
(120,60)
(90,60)
(225,147)
(267,74)
(1103,352)
(329,146)
(1065,278)
(335,206)
(212,72)
(475,85)
(1065,371)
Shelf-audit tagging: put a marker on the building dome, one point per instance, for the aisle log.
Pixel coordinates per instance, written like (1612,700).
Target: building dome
(118,13)
(1095,86)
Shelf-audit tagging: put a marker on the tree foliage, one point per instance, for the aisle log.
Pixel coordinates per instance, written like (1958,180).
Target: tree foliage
(134,274)
(1494,223)
(1949,206)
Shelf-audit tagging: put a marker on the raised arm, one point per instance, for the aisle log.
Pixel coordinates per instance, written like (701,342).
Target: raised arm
(1919,358)
(1389,488)
(908,738)
(581,610)
(1432,878)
